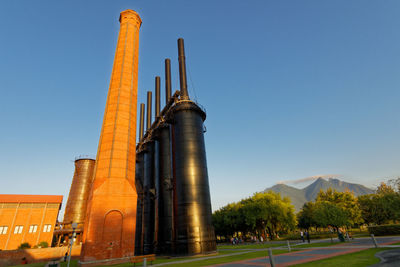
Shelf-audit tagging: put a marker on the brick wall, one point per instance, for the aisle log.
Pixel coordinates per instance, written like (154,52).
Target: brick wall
(13,257)
(35,220)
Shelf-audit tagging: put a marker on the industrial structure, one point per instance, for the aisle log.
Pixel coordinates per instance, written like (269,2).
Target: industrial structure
(135,198)
(152,197)
(75,209)
(27,219)
(172,178)
(110,223)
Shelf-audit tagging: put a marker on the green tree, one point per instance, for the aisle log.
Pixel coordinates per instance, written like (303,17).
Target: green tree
(385,189)
(305,217)
(371,210)
(395,183)
(268,212)
(257,214)
(381,207)
(328,214)
(346,201)
(229,219)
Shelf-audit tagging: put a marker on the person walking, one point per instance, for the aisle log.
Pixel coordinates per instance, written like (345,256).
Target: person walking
(308,237)
(302,236)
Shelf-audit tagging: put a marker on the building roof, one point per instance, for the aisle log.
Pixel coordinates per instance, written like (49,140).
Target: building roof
(6,198)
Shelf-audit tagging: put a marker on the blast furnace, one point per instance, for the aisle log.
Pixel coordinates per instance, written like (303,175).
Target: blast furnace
(177,204)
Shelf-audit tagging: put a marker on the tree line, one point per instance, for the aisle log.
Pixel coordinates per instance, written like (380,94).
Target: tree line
(265,214)
(270,215)
(343,209)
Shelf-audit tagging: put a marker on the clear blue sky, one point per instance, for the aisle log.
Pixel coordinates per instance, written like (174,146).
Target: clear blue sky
(292,88)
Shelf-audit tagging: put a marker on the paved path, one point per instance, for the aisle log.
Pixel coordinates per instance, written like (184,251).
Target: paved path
(297,257)
(292,258)
(313,254)
(389,258)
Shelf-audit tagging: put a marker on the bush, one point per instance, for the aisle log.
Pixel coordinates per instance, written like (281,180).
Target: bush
(24,245)
(388,229)
(43,244)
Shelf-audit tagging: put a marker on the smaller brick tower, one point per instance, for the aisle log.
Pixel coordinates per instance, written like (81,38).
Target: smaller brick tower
(109,231)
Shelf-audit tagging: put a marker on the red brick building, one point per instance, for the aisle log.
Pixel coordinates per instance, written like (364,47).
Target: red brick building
(27,218)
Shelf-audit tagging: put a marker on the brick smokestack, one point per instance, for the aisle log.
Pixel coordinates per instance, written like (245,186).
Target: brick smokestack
(109,231)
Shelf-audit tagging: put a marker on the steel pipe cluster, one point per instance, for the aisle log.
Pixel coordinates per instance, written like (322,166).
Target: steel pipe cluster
(174,206)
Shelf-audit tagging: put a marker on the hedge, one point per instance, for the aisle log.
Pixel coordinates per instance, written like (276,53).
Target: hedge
(24,245)
(388,229)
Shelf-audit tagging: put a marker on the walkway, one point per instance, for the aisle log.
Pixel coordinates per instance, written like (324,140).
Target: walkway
(297,257)
(317,253)
(389,258)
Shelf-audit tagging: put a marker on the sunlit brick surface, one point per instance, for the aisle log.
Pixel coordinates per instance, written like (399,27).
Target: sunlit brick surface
(34,215)
(109,231)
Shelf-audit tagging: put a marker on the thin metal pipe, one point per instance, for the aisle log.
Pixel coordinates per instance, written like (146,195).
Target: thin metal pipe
(141,124)
(167,80)
(148,124)
(157,80)
(182,69)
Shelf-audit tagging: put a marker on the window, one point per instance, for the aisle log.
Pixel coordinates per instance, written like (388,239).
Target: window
(33,228)
(47,228)
(3,230)
(18,229)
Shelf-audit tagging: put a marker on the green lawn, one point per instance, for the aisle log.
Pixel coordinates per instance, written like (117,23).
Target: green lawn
(236,256)
(251,246)
(240,257)
(33,265)
(74,263)
(356,259)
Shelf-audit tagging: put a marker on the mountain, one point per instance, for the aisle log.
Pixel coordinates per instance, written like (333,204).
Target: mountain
(296,195)
(313,189)
(309,193)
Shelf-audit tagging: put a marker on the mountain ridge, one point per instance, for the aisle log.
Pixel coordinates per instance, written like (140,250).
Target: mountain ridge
(310,192)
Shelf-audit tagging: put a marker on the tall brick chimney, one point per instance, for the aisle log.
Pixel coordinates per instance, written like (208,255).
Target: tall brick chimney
(109,231)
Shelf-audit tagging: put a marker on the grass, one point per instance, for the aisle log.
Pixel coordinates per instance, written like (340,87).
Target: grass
(240,257)
(251,246)
(226,250)
(357,259)
(362,235)
(73,263)
(39,264)
(205,262)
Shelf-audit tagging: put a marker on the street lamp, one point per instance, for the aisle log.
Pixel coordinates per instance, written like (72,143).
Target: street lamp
(74,226)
